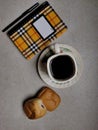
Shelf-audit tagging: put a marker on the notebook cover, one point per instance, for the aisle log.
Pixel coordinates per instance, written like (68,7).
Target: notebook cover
(37,30)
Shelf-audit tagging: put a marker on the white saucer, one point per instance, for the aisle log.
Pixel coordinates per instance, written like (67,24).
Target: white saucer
(43,72)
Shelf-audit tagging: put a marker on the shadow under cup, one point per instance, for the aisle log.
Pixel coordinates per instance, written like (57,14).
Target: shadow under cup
(62,67)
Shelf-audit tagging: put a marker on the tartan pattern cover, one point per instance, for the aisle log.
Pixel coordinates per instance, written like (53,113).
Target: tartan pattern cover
(28,40)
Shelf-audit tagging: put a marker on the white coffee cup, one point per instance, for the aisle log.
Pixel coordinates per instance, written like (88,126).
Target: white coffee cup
(61,66)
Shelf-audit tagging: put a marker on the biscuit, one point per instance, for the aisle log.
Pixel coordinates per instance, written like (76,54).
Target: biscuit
(50,98)
(34,108)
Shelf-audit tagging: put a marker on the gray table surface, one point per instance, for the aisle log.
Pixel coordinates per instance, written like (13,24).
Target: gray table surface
(19,79)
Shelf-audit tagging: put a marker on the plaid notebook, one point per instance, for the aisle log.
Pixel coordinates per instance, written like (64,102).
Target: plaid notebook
(34,32)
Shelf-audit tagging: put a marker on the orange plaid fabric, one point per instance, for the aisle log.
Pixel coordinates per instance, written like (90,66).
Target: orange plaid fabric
(27,38)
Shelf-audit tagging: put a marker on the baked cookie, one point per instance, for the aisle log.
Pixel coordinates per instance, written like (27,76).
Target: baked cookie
(50,98)
(34,108)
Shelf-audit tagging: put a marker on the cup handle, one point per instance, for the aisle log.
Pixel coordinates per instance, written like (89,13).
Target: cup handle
(56,48)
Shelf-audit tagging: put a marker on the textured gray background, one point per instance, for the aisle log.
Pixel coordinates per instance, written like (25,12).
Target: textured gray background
(19,79)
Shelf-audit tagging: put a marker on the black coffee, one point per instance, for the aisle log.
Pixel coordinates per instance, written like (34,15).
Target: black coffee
(62,67)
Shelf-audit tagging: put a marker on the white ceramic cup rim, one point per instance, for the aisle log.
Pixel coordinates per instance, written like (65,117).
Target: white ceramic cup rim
(48,67)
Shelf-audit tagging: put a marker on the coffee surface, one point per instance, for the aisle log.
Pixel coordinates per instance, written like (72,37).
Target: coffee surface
(62,67)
